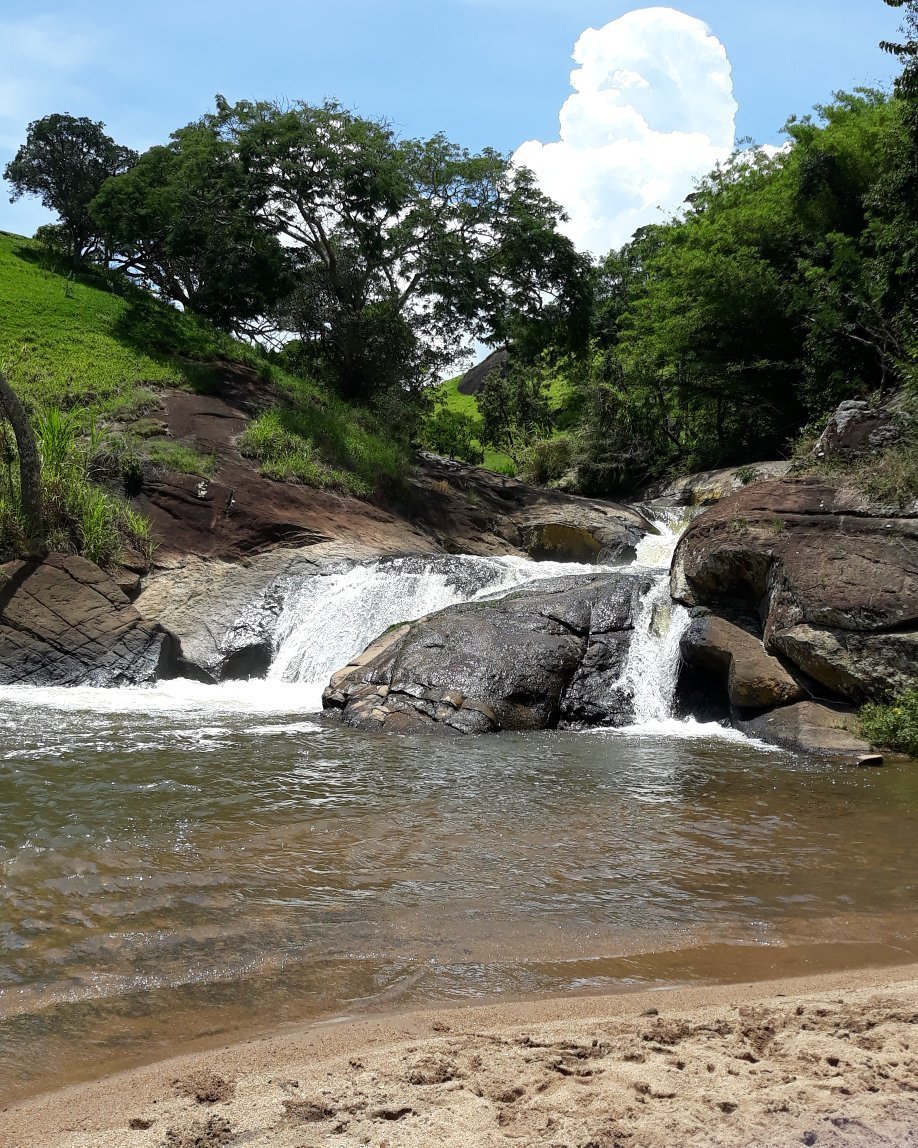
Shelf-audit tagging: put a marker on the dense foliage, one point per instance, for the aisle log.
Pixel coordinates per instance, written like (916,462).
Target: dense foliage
(893,726)
(786,284)
(778,292)
(65,161)
(369,258)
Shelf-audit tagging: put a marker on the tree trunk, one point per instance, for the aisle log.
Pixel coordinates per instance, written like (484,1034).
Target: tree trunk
(29,462)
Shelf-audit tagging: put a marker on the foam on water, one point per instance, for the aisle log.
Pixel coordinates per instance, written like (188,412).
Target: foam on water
(330,619)
(326,620)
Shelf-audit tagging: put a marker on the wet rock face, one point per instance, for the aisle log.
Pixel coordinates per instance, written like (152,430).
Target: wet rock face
(833,582)
(737,659)
(64,622)
(537,659)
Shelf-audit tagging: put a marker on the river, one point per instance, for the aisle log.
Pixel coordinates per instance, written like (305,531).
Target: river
(190,864)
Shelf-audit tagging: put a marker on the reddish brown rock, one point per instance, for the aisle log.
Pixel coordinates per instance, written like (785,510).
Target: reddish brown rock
(736,659)
(809,728)
(834,581)
(440,506)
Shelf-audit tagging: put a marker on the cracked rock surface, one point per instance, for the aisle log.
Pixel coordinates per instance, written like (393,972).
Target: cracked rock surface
(536,659)
(64,622)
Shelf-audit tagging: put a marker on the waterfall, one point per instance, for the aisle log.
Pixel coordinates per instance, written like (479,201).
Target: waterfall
(652,667)
(328,619)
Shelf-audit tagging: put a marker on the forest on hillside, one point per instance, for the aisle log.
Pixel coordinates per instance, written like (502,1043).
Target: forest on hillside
(363,263)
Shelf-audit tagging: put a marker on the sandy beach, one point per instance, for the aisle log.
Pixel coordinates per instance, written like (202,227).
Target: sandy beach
(826,1061)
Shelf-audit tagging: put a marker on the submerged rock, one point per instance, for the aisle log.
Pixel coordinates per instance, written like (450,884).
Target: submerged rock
(64,622)
(536,659)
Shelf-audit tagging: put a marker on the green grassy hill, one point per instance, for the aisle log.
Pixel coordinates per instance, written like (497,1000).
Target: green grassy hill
(560,393)
(94,345)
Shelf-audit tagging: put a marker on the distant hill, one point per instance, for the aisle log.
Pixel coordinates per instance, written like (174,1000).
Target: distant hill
(472,381)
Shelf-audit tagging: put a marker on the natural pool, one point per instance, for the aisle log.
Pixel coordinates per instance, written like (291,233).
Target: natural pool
(188,865)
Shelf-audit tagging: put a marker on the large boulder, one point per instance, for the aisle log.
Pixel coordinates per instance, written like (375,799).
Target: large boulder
(64,622)
(808,727)
(705,487)
(737,660)
(536,659)
(857,428)
(833,581)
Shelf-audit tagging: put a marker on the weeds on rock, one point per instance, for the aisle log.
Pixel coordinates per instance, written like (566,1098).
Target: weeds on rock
(893,726)
(80,515)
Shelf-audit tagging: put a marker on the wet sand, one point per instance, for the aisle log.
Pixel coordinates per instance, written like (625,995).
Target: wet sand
(827,1061)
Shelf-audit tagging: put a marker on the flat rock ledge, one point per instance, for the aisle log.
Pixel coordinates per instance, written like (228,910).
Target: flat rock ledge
(536,659)
(65,622)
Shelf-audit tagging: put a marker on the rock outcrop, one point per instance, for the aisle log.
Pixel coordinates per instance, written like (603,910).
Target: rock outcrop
(64,622)
(830,586)
(856,429)
(441,506)
(706,487)
(808,727)
(473,380)
(537,659)
(228,546)
(737,660)
(833,582)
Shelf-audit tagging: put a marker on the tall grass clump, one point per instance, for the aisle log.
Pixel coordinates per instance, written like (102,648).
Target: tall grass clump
(322,446)
(80,516)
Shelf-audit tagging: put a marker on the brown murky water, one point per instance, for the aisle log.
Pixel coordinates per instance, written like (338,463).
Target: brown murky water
(179,874)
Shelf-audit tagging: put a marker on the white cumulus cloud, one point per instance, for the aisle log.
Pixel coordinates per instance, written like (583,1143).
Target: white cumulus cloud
(652,110)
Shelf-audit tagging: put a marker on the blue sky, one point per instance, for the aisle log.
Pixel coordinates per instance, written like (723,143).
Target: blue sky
(486,72)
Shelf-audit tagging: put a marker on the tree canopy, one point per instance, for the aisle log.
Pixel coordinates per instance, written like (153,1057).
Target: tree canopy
(64,161)
(379,255)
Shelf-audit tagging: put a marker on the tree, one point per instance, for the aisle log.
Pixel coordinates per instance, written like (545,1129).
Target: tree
(401,248)
(64,161)
(30,489)
(896,201)
(515,407)
(184,222)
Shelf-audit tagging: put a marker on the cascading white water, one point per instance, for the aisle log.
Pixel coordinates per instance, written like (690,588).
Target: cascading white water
(652,667)
(329,619)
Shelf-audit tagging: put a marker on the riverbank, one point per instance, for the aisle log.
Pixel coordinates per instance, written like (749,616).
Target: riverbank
(830,1060)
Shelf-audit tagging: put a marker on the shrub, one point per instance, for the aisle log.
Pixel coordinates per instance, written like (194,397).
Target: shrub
(893,726)
(453,434)
(548,460)
(746,474)
(79,516)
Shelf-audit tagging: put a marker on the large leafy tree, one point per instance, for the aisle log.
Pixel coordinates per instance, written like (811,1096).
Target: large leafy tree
(401,248)
(896,202)
(64,161)
(719,334)
(185,222)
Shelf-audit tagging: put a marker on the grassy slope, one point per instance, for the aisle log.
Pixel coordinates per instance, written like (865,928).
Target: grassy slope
(465,404)
(76,343)
(559,392)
